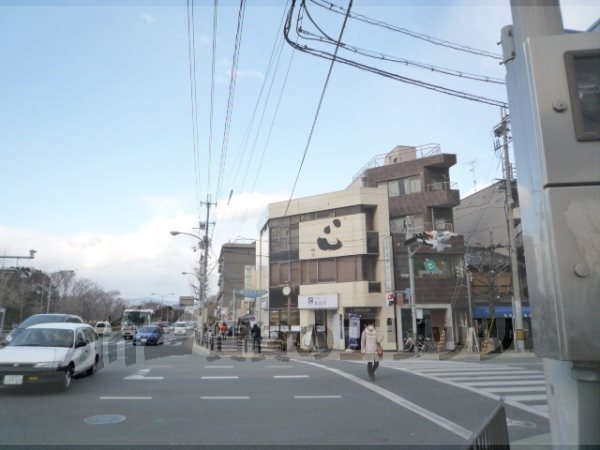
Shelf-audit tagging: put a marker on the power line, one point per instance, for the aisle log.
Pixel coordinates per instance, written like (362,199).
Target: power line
(212,89)
(386,57)
(231,94)
(192,76)
(433,40)
(394,76)
(322,95)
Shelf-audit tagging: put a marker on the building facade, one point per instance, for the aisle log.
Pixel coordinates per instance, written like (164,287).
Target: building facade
(321,260)
(482,219)
(233,259)
(421,196)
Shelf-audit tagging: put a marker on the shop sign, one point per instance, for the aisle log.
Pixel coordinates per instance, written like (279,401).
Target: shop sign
(419,314)
(387,260)
(296,327)
(318,301)
(284,328)
(333,237)
(365,311)
(354,331)
(430,268)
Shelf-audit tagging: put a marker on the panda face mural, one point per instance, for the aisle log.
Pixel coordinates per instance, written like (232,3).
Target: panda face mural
(331,242)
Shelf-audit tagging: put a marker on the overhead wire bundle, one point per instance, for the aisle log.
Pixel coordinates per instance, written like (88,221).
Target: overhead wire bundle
(302,35)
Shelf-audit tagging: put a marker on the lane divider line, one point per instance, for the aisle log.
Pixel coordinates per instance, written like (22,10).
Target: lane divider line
(226,397)
(291,376)
(302,397)
(221,377)
(108,397)
(218,367)
(412,407)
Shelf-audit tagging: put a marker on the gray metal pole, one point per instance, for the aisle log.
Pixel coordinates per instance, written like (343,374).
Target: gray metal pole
(569,388)
(413,303)
(49,295)
(512,244)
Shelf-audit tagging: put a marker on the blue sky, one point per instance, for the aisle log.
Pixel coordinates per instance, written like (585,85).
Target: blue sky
(95,122)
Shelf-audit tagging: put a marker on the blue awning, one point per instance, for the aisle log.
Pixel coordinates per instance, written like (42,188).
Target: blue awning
(481,312)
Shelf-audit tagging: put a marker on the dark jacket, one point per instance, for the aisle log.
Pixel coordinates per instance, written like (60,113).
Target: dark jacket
(255,332)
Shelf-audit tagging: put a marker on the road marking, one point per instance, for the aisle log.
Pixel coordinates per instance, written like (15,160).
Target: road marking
(278,367)
(316,396)
(467,369)
(516,389)
(218,367)
(507,400)
(222,377)
(141,377)
(438,420)
(521,398)
(507,383)
(499,378)
(291,376)
(125,398)
(469,372)
(226,397)
(161,367)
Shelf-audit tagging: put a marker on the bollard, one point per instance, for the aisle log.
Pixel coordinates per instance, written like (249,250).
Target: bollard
(219,343)
(245,345)
(212,344)
(258,344)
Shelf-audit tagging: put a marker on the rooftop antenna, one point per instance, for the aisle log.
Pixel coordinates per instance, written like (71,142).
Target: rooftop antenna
(473,165)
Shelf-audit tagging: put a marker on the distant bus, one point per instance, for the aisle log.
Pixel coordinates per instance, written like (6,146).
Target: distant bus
(132,319)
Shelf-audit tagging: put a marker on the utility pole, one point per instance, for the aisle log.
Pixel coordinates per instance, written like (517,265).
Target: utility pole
(203,278)
(502,130)
(408,223)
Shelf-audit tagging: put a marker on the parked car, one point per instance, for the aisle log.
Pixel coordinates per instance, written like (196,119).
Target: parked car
(103,329)
(148,335)
(38,319)
(190,325)
(180,329)
(50,353)
(164,327)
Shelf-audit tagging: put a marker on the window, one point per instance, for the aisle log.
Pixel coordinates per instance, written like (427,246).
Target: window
(308,216)
(274,274)
(348,269)
(284,272)
(398,225)
(404,186)
(325,214)
(295,272)
(429,266)
(327,270)
(309,272)
(80,339)
(90,336)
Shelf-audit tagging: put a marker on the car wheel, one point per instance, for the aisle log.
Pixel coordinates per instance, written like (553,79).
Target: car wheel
(66,379)
(92,370)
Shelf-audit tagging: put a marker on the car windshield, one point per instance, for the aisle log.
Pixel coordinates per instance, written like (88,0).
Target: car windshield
(100,325)
(44,337)
(148,330)
(180,324)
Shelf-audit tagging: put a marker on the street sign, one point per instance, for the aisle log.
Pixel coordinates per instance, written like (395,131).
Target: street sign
(419,314)
(250,293)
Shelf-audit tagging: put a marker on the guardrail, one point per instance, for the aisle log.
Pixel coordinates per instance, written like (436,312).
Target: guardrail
(493,433)
(213,343)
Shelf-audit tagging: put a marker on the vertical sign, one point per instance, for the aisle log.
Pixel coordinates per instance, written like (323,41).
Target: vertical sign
(387,260)
(354,331)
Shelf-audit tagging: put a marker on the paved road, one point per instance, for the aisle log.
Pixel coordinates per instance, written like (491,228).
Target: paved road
(173,394)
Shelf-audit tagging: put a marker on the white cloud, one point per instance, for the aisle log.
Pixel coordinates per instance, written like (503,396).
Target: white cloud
(150,20)
(144,260)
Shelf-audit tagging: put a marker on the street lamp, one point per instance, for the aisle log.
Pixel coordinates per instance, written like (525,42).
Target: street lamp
(162,302)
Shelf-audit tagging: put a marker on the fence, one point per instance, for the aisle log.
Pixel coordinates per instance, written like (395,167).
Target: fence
(493,433)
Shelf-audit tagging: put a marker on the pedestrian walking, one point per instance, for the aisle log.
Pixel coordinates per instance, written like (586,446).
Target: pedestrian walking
(256,337)
(370,348)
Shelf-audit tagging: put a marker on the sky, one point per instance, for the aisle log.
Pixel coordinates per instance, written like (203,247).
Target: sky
(96,145)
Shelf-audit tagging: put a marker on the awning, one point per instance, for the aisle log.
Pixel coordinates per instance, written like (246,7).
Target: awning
(247,318)
(481,312)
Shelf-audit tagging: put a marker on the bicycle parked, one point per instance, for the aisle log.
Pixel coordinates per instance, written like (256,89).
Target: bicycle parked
(424,345)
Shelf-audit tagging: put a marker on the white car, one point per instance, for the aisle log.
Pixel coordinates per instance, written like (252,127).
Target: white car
(103,329)
(180,329)
(191,325)
(50,353)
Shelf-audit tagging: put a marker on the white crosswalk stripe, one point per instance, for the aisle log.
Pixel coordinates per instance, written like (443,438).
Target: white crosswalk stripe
(522,388)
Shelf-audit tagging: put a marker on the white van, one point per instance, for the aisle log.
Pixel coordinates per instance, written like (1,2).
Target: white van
(103,329)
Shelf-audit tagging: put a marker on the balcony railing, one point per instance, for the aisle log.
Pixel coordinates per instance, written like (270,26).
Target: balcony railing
(438,226)
(422,151)
(441,186)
